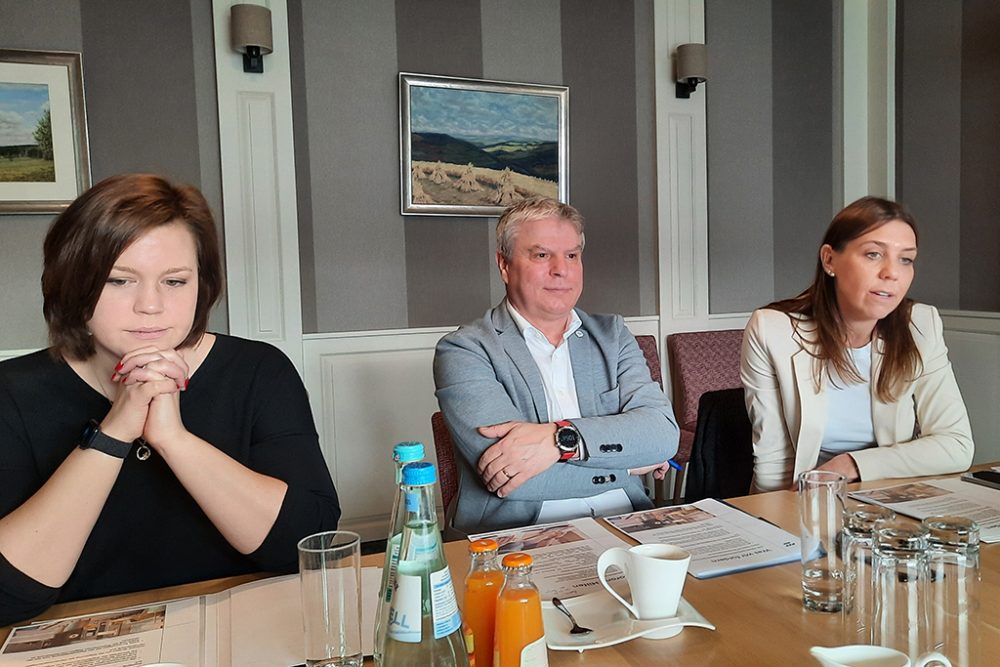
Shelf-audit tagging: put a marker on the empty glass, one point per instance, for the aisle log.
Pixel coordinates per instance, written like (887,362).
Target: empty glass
(953,561)
(859,531)
(899,561)
(821,517)
(330,578)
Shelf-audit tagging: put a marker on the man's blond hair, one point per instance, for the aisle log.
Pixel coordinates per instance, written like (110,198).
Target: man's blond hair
(528,210)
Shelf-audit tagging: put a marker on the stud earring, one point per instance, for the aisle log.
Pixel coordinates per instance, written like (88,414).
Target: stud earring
(831,274)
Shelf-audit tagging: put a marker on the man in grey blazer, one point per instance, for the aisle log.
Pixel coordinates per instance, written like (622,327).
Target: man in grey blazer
(552,410)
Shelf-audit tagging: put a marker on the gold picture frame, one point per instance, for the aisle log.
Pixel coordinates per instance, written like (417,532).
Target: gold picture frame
(44,152)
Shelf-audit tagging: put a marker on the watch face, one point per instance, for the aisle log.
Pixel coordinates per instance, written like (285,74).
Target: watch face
(567,438)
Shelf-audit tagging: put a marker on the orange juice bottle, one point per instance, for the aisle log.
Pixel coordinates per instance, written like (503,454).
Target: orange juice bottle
(480,605)
(519,640)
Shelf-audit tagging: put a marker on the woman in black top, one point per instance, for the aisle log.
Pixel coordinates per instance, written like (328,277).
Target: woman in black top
(139,451)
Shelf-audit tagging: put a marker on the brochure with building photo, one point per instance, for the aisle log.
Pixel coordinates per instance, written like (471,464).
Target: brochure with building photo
(565,554)
(721,538)
(941,497)
(259,623)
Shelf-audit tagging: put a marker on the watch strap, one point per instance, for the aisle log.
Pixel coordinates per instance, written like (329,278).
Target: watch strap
(94,438)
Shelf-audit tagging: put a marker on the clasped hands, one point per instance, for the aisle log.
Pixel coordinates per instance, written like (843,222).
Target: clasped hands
(147,404)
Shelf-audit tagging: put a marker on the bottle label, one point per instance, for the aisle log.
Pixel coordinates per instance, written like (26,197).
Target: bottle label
(390,580)
(412,500)
(404,615)
(470,644)
(423,546)
(444,604)
(534,654)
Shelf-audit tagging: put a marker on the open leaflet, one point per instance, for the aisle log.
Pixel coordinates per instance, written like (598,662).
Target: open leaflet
(259,623)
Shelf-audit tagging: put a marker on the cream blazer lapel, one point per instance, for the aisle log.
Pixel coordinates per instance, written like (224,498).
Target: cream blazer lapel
(812,403)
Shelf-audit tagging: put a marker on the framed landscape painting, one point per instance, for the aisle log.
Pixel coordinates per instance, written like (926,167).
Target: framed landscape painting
(44,160)
(471,147)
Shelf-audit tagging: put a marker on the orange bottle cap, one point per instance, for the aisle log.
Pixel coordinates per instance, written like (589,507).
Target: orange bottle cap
(517,560)
(482,546)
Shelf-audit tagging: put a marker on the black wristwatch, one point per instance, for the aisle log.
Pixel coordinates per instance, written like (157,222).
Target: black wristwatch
(92,438)
(567,440)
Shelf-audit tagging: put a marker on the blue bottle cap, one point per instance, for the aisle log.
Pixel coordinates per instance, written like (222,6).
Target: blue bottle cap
(419,473)
(406,452)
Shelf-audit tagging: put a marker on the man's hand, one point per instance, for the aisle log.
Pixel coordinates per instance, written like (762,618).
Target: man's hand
(523,451)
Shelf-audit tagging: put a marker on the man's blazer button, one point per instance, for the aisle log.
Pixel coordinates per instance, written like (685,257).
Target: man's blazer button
(604,448)
(579,334)
(611,478)
(598,479)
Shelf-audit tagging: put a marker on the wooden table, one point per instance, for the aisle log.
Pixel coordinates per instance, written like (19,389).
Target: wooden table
(758,615)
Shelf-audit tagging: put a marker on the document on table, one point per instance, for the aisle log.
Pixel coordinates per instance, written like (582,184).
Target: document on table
(259,623)
(721,538)
(941,497)
(565,554)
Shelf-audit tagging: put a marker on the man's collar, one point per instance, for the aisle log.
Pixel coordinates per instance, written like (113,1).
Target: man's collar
(523,325)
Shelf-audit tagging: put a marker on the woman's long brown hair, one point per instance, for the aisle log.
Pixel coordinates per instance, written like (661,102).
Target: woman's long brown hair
(818,303)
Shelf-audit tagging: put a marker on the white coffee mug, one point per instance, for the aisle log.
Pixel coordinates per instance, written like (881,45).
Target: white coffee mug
(655,574)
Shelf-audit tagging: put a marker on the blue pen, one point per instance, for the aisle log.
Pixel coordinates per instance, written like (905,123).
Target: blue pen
(674,464)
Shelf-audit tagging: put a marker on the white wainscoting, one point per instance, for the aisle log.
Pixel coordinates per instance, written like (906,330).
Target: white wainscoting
(974,349)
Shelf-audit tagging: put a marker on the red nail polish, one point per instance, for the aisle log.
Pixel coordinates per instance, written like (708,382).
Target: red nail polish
(113,376)
(119,366)
(187,381)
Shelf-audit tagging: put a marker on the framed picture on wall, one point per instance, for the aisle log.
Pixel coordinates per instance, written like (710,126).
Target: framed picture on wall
(472,147)
(44,158)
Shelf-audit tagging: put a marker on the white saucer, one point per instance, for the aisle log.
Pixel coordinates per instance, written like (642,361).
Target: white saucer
(611,623)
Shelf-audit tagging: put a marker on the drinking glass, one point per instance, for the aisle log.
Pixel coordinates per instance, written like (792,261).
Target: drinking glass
(330,578)
(821,518)
(860,522)
(953,561)
(899,561)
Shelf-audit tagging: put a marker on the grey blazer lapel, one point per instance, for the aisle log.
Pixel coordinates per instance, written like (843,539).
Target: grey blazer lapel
(581,351)
(517,351)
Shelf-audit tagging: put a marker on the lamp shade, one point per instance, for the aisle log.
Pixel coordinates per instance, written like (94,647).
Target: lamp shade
(250,25)
(692,63)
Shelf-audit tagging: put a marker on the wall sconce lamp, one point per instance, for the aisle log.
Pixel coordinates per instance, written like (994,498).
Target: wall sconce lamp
(250,34)
(692,68)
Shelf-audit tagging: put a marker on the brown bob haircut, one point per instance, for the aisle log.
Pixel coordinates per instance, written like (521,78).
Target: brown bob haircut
(89,236)
(819,303)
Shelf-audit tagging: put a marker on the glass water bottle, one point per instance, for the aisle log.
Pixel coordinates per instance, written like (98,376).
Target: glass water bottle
(403,453)
(425,627)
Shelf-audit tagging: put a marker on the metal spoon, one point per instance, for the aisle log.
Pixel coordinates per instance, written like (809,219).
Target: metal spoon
(577,630)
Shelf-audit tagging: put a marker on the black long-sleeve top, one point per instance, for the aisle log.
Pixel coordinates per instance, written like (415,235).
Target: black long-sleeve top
(246,399)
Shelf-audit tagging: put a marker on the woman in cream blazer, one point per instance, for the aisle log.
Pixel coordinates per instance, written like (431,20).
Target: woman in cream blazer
(864,270)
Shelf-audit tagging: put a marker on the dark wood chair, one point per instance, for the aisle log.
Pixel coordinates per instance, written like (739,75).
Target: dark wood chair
(447,468)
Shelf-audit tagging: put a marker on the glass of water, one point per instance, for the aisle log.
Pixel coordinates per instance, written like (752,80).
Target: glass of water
(330,578)
(821,519)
